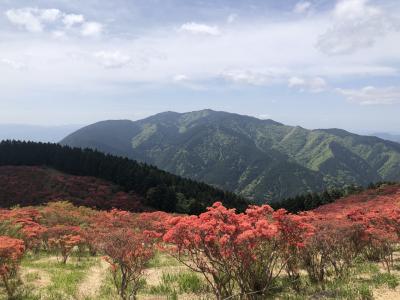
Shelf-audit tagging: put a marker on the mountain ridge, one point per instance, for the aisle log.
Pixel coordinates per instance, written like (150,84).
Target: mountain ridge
(259,159)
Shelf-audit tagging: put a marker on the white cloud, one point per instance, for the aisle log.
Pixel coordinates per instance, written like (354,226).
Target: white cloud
(252,77)
(370,95)
(35,20)
(71,19)
(314,85)
(356,25)
(355,9)
(49,15)
(112,59)
(17,65)
(91,29)
(25,17)
(302,7)
(197,28)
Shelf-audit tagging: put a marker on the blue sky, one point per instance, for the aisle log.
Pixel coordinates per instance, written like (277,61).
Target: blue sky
(315,63)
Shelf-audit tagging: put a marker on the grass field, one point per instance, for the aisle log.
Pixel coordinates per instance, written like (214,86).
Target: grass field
(87,278)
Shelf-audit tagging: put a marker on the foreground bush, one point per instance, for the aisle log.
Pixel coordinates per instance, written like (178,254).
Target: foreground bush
(11,252)
(63,239)
(128,253)
(247,250)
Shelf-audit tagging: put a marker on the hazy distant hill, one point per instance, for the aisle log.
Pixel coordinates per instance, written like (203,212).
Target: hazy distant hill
(261,159)
(388,136)
(35,132)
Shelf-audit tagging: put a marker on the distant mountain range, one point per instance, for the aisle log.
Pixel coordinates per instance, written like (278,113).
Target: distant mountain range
(259,159)
(35,133)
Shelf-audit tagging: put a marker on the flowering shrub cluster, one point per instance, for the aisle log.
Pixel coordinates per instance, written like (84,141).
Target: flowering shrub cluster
(126,240)
(33,185)
(246,252)
(238,254)
(11,251)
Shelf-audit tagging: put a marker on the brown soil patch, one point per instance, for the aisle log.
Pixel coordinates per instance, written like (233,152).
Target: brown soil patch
(43,279)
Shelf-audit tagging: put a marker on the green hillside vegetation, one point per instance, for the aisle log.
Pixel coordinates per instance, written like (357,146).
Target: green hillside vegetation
(259,159)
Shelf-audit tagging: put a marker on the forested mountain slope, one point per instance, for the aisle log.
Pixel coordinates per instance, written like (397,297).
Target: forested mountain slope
(260,159)
(155,188)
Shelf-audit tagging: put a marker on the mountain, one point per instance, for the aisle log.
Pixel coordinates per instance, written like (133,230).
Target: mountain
(35,132)
(158,189)
(259,159)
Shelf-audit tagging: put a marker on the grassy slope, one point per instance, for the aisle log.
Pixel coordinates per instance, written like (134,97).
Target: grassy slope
(88,279)
(44,277)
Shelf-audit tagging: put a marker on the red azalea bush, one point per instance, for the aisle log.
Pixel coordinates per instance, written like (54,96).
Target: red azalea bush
(128,253)
(363,226)
(11,251)
(63,239)
(28,221)
(155,222)
(248,249)
(128,248)
(379,232)
(332,249)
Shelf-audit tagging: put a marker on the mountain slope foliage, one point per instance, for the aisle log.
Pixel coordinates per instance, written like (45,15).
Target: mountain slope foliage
(159,189)
(259,159)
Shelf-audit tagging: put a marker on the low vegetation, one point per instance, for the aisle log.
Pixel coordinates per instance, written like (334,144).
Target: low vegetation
(344,250)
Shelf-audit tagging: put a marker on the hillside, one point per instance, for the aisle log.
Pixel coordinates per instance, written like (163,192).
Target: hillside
(158,189)
(27,185)
(260,159)
(370,200)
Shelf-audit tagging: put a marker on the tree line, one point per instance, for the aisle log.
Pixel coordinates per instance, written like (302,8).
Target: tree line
(161,190)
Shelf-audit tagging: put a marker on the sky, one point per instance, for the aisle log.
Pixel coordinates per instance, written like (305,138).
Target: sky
(316,63)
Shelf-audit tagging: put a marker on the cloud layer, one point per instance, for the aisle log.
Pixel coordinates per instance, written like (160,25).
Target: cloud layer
(356,24)
(370,95)
(303,48)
